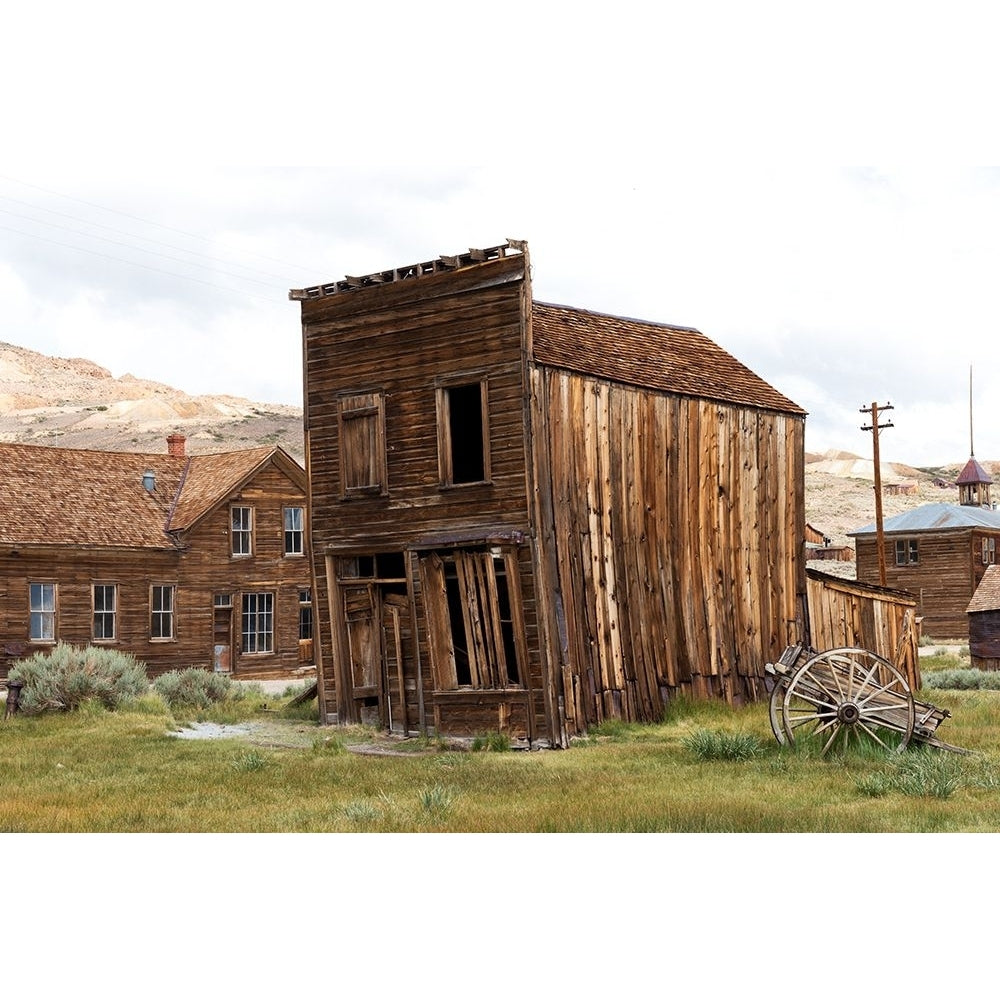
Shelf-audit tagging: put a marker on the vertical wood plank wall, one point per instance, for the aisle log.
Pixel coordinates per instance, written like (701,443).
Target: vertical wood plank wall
(849,613)
(678,527)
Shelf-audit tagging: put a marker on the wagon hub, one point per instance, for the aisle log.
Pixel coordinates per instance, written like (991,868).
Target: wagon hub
(848,713)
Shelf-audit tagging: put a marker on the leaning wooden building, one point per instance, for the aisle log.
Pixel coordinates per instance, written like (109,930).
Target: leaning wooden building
(531,517)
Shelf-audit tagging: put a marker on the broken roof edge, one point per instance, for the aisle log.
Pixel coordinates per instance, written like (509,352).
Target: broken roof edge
(438,265)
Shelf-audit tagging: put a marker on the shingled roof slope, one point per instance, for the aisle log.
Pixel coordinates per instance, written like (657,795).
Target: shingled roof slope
(673,359)
(987,595)
(210,477)
(67,496)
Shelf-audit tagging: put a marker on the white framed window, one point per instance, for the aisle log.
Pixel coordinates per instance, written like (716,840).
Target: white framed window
(42,612)
(295,531)
(907,551)
(241,533)
(257,629)
(105,597)
(161,611)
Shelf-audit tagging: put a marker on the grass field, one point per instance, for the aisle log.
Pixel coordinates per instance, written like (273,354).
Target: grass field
(705,769)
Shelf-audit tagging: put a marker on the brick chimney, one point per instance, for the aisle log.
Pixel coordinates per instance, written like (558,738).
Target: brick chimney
(175,445)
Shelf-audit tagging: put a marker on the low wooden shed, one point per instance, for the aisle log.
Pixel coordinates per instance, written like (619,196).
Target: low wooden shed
(984,621)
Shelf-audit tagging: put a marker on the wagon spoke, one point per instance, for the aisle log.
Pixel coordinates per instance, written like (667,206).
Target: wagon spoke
(829,742)
(868,677)
(832,704)
(871,732)
(885,689)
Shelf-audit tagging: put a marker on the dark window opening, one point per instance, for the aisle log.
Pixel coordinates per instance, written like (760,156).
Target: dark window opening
(465,428)
(463,671)
(506,619)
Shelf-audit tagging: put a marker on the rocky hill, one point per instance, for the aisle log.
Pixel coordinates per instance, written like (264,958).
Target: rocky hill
(75,403)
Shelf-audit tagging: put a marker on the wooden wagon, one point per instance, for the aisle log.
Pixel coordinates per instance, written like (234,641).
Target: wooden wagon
(848,695)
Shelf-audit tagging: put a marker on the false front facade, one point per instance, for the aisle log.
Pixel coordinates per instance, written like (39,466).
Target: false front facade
(532,518)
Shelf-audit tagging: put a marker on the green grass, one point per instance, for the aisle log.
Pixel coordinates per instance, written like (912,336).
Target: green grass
(708,768)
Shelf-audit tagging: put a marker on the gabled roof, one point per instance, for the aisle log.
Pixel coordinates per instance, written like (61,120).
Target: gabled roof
(673,359)
(987,595)
(973,473)
(96,499)
(936,517)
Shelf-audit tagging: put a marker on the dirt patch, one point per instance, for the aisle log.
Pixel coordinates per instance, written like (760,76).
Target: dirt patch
(271,732)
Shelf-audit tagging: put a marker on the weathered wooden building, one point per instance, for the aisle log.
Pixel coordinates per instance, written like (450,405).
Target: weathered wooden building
(850,613)
(530,517)
(181,560)
(984,621)
(937,552)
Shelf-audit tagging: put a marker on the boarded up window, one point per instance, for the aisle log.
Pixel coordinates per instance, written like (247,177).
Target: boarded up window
(463,432)
(474,618)
(361,422)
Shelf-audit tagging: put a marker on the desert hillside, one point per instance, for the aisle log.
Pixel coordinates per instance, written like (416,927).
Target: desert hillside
(75,403)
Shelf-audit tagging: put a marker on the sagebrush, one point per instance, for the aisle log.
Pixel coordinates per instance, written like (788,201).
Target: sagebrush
(64,677)
(194,688)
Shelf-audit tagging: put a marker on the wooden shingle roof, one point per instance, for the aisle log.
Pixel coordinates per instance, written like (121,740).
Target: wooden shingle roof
(96,499)
(987,595)
(673,359)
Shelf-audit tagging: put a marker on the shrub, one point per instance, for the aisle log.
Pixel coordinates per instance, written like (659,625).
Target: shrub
(250,760)
(66,676)
(708,744)
(494,742)
(192,687)
(969,679)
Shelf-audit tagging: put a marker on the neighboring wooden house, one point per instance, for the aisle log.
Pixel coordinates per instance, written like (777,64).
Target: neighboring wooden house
(532,518)
(984,621)
(181,560)
(820,546)
(938,552)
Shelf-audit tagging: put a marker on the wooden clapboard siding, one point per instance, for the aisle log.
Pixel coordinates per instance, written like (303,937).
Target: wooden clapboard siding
(676,527)
(403,340)
(942,582)
(850,613)
(198,563)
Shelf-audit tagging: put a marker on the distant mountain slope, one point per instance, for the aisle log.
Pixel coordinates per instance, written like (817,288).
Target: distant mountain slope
(75,403)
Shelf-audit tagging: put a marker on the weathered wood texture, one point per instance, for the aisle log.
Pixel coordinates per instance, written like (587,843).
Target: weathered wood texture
(200,569)
(648,542)
(403,341)
(848,613)
(676,536)
(949,570)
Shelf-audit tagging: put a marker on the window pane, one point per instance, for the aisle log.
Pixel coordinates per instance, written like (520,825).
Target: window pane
(258,623)
(42,613)
(242,531)
(294,531)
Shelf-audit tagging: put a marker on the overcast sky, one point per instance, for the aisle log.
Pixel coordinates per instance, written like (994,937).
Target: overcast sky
(170,179)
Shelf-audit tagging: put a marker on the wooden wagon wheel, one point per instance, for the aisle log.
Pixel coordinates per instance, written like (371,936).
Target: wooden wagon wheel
(845,695)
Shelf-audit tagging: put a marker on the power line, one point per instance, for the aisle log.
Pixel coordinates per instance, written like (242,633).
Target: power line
(132,263)
(128,246)
(149,222)
(122,232)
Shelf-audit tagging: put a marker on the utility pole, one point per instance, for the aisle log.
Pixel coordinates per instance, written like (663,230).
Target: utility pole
(875,427)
